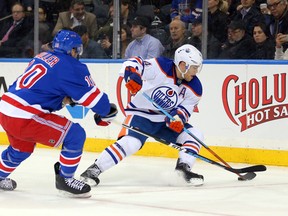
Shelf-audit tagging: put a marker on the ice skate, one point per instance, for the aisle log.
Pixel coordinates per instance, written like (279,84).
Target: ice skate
(71,187)
(90,176)
(190,177)
(7,184)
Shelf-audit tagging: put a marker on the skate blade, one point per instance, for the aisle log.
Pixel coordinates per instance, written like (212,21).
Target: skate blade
(70,195)
(193,181)
(196,182)
(89,181)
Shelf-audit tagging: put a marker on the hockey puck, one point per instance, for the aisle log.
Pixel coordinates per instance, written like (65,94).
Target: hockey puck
(247,176)
(242,179)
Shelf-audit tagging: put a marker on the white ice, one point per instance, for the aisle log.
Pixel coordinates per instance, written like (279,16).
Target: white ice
(145,186)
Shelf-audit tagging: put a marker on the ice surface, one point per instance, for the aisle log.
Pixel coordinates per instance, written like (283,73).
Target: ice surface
(145,186)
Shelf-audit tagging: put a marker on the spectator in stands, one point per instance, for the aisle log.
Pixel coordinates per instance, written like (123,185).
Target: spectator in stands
(265,48)
(14,31)
(213,45)
(157,16)
(217,20)
(186,11)
(177,37)
(127,12)
(279,19)
(45,27)
(240,44)
(280,54)
(126,17)
(106,41)
(77,16)
(125,39)
(101,11)
(249,14)
(91,49)
(144,44)
(51,10)
(45,35)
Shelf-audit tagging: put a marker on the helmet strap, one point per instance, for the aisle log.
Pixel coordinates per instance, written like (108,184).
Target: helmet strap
(183,72)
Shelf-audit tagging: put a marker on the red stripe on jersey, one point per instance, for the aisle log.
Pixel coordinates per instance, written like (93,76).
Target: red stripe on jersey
(91,97)
(6,169)
(117,152)
(69,161)
(20,106)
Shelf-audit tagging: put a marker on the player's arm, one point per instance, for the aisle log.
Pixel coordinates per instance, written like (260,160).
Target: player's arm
(106,120)
(183,111)
(180,118)
(132,71)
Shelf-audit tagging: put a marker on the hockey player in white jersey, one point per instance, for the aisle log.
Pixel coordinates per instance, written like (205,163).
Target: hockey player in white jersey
(173,84)
(51,80)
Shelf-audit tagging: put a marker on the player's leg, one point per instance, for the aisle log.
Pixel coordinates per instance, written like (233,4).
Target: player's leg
(9,161)
(185,161)
(128,143)
(70,156)
(16,152)
(52,130)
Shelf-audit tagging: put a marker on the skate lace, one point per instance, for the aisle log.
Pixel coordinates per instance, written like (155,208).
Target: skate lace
(74,183)
(6,184)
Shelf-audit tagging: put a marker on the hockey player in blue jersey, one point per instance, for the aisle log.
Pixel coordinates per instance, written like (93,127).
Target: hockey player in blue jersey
(51,80)
(178,91)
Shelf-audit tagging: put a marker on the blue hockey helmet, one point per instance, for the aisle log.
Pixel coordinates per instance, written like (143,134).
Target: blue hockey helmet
(66,40)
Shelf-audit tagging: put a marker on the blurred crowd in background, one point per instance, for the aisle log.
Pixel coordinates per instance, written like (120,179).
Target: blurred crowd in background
(237,29)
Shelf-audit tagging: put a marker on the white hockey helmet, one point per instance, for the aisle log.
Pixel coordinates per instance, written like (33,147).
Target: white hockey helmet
(190,55)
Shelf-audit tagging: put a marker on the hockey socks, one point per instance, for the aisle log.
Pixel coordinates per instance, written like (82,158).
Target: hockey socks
(111,156)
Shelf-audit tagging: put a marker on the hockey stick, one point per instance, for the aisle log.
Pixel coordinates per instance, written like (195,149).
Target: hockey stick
(200,142)
(256,168)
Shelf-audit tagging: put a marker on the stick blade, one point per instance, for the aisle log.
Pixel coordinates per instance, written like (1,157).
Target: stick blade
(256,168)
(247,176)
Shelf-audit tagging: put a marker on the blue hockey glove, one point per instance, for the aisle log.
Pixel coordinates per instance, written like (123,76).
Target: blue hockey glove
(177,124)
(133,80)
(106,120)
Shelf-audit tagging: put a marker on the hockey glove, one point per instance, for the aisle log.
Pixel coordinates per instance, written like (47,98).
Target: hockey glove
(177,124)
(68,100)
(133,80)
(106,120)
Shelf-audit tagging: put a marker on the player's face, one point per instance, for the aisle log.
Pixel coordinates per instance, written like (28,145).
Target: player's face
(74,54)
(192,71)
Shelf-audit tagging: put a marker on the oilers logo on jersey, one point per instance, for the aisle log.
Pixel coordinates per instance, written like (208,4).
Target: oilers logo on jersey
(166,97)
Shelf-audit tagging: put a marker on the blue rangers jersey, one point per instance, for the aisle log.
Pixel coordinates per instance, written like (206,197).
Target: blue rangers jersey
(160,82)
(48,78)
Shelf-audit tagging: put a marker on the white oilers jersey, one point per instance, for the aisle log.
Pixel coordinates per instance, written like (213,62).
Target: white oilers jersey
(162,85)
